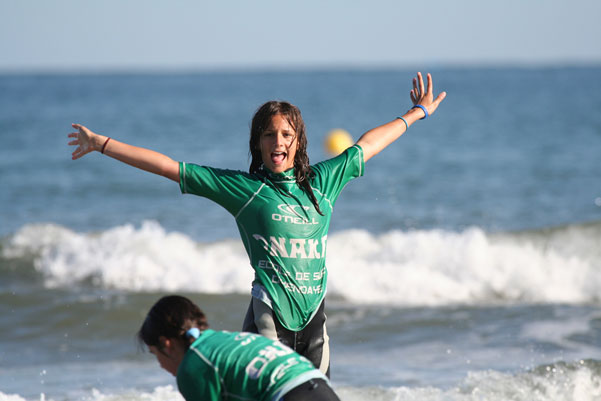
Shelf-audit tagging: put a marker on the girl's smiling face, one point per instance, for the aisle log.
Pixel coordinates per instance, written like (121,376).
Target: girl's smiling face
(278,145)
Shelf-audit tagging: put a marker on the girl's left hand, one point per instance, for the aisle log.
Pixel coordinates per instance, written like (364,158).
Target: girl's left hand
(425,97)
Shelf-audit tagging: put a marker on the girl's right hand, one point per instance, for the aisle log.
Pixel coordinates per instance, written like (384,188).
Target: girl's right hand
(85,140)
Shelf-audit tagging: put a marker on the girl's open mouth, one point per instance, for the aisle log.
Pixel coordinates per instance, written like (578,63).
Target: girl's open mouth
(278,157)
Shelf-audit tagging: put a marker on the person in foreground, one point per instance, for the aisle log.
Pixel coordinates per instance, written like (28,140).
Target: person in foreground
(282,207)
(217,365)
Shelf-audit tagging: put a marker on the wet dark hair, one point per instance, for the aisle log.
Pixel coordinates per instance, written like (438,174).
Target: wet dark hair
(171,317)
(262,120)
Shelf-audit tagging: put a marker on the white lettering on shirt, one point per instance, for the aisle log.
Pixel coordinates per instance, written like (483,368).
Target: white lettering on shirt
(291,215)
(293,248)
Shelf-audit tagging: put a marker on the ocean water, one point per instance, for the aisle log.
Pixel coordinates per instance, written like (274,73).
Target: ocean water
(465,264)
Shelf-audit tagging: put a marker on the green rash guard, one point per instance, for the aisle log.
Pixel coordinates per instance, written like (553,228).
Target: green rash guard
(284,236)
(221,365)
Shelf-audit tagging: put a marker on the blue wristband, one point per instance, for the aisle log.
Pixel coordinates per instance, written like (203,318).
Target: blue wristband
(405,121)
(424,109)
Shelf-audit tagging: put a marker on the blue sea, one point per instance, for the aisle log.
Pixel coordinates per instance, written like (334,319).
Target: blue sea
(464,265)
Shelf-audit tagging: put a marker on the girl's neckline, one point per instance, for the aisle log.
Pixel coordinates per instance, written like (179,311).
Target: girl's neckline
(287,175)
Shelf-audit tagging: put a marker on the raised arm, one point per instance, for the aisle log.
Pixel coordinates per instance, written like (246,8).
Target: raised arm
(145,159)
(376,139)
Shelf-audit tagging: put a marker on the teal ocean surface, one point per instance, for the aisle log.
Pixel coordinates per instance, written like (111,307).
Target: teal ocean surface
(464,265)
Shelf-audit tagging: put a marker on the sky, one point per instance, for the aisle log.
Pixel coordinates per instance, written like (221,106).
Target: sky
(74,35)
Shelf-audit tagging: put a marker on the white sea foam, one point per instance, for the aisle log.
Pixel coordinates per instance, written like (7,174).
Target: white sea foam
(431,267)
(10,397)
(161,393)
(560,382)
(556,383)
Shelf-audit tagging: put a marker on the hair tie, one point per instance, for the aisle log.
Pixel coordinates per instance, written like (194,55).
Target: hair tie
(194,332)
(104,146)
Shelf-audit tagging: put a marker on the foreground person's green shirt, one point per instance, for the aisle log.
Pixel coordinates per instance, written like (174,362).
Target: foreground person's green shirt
(221,365)
(284,236)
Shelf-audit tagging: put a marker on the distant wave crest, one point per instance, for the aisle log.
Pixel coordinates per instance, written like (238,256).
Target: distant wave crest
(406,268)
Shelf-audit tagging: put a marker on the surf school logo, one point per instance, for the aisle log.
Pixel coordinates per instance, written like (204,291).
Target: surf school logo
(292,214)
